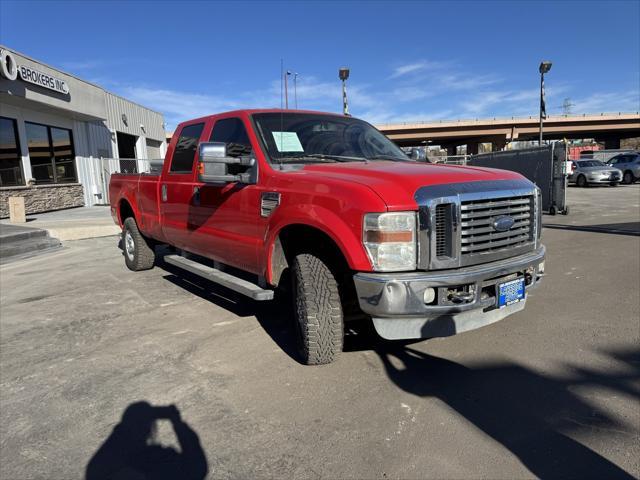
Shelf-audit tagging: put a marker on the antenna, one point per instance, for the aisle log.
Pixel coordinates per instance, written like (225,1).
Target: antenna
(281,110)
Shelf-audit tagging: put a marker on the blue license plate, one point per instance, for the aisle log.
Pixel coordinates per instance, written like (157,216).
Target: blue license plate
(510,292)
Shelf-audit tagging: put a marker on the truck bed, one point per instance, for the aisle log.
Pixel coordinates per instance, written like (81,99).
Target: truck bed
(143,190)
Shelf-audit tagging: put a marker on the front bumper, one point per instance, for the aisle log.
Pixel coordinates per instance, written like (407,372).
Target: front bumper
(396,301)
(606,180)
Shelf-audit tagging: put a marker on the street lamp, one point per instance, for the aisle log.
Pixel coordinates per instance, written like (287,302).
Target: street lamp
(343,74)
(544,68)
(295,88)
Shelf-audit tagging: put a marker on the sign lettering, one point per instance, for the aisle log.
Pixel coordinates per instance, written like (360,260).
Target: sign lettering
(10,70)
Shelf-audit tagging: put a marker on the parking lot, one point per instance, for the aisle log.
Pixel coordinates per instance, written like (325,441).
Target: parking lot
(553,391)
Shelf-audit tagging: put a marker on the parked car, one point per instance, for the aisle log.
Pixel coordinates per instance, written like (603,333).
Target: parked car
(326,209)
(629,164)
(587,172)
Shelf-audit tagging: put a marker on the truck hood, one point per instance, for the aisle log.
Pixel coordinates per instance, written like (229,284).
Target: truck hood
(396,182)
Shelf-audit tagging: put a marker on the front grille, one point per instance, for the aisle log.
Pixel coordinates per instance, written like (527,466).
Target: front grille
(478,234)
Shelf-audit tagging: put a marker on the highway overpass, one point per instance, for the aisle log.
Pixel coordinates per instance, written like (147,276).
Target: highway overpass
(609,128)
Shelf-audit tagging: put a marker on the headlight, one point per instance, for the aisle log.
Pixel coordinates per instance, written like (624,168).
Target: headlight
(390,240)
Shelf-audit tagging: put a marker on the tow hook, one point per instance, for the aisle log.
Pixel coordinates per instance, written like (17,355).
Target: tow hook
(461,297)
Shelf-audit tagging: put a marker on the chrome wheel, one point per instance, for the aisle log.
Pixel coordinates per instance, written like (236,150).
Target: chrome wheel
(129,245)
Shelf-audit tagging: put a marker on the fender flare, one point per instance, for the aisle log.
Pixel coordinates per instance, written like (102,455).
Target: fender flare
(318,218)
(129,198)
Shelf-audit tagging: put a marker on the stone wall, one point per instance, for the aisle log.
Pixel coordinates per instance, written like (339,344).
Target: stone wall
(43,198)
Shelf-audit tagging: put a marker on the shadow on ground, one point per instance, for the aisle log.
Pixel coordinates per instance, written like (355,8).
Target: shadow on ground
(132,453)
(536,417)
(274,316)
(629,228)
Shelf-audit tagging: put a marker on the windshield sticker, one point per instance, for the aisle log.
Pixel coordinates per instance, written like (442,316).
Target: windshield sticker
(287,142)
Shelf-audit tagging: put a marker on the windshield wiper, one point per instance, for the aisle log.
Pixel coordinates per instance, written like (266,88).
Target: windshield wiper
(304,159)
(389,157)
(314,157)
(339,158)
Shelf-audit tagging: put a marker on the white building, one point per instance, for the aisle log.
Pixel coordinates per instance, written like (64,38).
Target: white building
(55,128)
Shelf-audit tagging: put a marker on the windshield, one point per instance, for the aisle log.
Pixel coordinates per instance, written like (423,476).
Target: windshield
(316,138)
(591,163)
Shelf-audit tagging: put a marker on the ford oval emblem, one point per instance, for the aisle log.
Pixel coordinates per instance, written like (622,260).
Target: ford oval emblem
(502,224)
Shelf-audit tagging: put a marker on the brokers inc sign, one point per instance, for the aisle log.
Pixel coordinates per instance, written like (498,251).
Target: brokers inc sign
(32,75)
(10,70)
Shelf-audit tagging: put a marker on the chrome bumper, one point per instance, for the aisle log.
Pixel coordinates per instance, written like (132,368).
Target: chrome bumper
(395,301)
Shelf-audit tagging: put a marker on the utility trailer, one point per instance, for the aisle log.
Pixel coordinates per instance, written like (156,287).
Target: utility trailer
(545,166)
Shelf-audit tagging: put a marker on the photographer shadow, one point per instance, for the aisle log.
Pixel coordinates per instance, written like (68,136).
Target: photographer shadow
(131,452)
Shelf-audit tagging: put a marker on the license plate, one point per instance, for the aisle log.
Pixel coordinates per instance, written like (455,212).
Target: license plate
(510,292)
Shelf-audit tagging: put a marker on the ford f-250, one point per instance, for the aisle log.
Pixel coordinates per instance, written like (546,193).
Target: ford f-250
(327,209)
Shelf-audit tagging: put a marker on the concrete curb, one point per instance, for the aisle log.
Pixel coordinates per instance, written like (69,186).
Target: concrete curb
(83,232)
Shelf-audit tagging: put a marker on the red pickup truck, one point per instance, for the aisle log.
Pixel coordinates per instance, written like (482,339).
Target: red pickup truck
(328,210)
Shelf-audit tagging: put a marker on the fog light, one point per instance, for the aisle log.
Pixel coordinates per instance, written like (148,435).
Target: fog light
(541,267)
(429,295)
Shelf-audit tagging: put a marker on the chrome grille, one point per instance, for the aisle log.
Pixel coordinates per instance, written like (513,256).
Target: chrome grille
(476,224)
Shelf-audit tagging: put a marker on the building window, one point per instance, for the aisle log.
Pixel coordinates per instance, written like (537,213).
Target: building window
(51,154)
(10,159)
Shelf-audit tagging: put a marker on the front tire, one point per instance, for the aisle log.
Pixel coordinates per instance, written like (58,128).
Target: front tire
(582,181)
(318,316)
(139,253)
(627,179)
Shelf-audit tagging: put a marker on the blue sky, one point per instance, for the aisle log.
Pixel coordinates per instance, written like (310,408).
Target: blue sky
(409,60)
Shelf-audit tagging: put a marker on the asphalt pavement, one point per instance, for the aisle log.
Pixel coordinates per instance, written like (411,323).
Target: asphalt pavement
(90,351)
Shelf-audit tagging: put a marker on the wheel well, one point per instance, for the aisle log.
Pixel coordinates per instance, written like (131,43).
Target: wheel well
(295,239)
(125,211)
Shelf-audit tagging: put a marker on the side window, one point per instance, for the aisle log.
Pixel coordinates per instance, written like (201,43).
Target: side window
(614,160)
(185,152)
(232,132)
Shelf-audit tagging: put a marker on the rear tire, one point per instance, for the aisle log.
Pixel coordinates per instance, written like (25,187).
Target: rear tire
(139,253)
(318,316)
(628,179)
(582,181)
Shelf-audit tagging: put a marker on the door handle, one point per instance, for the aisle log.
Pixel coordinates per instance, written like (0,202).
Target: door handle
(164,193)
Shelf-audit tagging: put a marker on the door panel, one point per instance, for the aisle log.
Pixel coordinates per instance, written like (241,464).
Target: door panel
(225,219)
(223,223)
(178,184)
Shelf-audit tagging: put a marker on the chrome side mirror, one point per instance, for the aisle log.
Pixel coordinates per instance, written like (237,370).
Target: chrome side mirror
(213,164)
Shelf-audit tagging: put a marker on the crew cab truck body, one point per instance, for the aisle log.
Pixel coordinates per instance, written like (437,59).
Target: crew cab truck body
(327,209)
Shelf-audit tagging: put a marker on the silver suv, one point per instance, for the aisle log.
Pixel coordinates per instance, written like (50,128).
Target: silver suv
(629,163)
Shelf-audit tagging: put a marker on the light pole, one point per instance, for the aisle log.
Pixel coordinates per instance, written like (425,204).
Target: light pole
(343,74)
(295,88)
(544,68)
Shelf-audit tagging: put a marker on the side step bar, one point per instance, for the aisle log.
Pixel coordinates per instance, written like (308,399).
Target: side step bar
(236,284)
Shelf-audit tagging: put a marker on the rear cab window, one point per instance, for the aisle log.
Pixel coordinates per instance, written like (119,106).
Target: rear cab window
(186,147)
